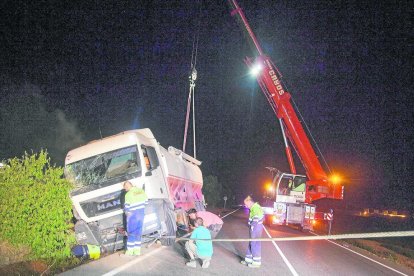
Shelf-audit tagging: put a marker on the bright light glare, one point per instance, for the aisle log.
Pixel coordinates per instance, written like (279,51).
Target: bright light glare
(269,187)
(255,70)
(275,220)
(335,179)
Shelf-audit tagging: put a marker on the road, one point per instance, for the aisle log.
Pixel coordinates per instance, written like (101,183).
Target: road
(281,258)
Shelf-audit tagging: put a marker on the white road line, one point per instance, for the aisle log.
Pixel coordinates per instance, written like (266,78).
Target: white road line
(399,272)
(134,261)
(230,213)
(282,255)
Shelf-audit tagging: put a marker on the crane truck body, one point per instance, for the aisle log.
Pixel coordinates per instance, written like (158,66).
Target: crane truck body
(171,179)
(294,194)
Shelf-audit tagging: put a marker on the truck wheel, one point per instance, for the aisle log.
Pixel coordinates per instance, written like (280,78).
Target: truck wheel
(170,222)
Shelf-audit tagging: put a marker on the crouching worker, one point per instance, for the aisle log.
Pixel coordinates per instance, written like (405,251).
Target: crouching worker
(199,249)
(135,201)
(211,221)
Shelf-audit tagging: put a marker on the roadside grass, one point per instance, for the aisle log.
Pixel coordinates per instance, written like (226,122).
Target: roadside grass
(397,250)
(408,252)
(390,252)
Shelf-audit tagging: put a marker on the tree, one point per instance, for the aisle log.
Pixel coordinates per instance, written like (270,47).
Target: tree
(212,190)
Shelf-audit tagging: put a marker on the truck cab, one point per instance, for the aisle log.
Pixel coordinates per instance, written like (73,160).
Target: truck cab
(171,179)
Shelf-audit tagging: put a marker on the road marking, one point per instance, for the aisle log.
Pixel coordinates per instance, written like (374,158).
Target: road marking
(282,255)
(134,261)
(399,272)
(230,213)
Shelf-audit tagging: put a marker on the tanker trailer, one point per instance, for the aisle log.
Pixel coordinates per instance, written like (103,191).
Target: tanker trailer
(171,179)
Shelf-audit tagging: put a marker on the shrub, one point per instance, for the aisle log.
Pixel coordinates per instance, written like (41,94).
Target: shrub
(35,208)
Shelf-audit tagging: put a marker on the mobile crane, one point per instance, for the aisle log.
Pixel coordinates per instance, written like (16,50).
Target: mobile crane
(294,194)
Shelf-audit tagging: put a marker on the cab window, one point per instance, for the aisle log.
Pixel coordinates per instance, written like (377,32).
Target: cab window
(150,157)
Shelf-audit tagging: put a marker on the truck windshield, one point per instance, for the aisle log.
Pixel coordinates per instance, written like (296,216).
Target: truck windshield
(104,169)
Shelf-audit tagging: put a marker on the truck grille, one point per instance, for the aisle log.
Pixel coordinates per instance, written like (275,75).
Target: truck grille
(101,205)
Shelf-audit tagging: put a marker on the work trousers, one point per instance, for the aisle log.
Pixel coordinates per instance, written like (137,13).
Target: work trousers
(191,249)
(254,251)
(135,220)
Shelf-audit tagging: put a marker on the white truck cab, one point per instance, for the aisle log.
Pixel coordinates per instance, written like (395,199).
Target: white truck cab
(171,179)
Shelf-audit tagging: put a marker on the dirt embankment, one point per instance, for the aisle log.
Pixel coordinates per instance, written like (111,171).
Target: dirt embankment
(13,261)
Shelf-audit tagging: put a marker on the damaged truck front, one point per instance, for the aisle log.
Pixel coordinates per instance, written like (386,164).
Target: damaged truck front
(171,179)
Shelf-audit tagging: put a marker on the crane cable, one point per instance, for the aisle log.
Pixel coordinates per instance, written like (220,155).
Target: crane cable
(310,134)
(191,93)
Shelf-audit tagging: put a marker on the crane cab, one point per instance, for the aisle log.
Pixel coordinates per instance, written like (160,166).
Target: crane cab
(289,188)
(289,207)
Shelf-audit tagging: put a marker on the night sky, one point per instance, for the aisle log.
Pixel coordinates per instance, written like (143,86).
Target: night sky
(71,70)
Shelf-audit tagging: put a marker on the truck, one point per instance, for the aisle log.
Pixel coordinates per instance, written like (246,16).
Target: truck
(294,194)
(171,179)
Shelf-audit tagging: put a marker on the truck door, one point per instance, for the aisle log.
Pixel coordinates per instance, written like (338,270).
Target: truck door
(154,179)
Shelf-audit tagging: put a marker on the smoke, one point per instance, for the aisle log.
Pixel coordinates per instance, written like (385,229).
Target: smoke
(67,132)
(28,124)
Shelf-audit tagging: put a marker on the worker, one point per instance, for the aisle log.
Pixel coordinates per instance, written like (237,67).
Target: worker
(290,185)
(135,201)
(202,250)
(211,221)
(87,251)
(253,255)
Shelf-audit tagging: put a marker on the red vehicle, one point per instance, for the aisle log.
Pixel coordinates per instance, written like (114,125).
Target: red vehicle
(294,194)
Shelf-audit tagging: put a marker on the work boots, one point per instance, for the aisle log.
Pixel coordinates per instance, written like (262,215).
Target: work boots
(191,263)
(205,263)
(137,251)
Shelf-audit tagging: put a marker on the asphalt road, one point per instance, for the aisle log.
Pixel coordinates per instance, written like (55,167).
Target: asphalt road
(281,258)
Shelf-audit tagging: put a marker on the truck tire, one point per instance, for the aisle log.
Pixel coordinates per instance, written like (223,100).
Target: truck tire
(170,222)
(303,230)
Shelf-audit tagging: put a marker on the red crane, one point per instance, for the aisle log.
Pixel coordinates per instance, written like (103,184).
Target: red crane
(317,184)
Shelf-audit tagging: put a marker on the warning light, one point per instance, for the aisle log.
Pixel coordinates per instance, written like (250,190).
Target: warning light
(335,179)
(269,187)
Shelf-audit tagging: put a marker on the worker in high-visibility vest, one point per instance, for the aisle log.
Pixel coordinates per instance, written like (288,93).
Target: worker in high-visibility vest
(87,251)
(135,201)
(253,256)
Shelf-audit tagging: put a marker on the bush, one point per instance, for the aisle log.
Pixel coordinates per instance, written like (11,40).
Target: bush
(35,208)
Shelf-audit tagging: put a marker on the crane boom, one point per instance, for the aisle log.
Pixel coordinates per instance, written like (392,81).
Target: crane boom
(318,184)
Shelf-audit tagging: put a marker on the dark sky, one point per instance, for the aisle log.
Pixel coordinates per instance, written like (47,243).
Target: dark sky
(72,69)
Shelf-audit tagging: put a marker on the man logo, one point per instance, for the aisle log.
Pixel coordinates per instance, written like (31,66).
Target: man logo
(108,205)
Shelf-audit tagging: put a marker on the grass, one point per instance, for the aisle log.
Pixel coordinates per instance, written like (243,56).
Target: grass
(400,250)
(397,250)
(394,253)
